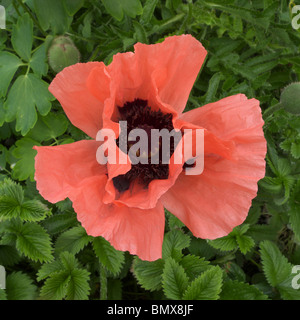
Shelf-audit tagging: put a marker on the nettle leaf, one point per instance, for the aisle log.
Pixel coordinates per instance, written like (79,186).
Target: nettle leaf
(19,286)
(73,240)
(117,8)
(34,242)
(9,64)
(234,290)
(205,287)
(174,242)
(174,279)
(66,280)
(148,273)
(295,150)
(26,94)
(22,36)
(13,205)
(108,256)
(24,168)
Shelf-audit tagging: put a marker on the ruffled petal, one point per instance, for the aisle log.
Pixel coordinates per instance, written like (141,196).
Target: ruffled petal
(213,203)
(60,169)
(168,70)
(128,229)
(73,89)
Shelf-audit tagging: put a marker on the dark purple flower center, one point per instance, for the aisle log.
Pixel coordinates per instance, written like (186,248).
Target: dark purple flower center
(139,115)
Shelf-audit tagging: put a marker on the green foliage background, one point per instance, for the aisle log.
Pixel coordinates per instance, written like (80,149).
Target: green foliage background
(252,49)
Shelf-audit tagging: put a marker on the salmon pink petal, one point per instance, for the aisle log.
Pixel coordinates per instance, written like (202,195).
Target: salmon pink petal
(72,86)
(168,70)
(213,203)
(128,229)
(60,169)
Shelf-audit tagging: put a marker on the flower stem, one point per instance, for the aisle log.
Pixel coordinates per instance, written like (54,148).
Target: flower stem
(103,282)
(271,110)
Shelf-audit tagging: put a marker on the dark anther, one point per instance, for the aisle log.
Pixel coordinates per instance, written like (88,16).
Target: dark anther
(121,183)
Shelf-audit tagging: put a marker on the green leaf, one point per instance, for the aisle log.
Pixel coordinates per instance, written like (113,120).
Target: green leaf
(109,257)
(213,86)
(295,150)
(72,6)
(38,61)
(148,273)
(174,242)
(73,240)
(148,11)
(65,279)
(117,8)
(234,290)
(3,295)
(27,92)
(55,287)
(140,33)
(9,64)
(60,222)
(174,280)
(245,243)
(49,127)
(205,287)
(20,287)
(24,168)
(194,265)
(276,267)
(34,242)
(22,36)
(8,255)
(52,13)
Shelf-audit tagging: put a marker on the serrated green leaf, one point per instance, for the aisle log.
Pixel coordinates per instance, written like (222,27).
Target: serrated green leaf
(234,290)
(276,267)
(27,93)
(174,241)
(9,64)
(24,168)
(174,280)
(295,150)
(148,273)
(194,265)
(34,242)
(73,240)
(48,269)
(245,243)
(205,287)
(22,36)
(78,288)
(20,287)
(55,287)
(60,222)
(109,257)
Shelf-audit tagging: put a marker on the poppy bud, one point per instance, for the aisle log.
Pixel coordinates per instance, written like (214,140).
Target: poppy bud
(62,53)
(290,98)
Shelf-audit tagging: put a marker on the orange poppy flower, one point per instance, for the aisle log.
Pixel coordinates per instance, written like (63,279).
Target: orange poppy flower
(124,203)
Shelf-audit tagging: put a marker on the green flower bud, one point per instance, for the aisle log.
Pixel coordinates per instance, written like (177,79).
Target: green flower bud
(62,53)
(290,98)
